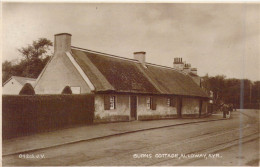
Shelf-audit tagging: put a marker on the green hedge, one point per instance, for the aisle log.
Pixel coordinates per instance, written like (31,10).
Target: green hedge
(25,115)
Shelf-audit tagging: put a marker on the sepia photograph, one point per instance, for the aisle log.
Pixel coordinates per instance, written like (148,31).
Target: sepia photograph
(130,83)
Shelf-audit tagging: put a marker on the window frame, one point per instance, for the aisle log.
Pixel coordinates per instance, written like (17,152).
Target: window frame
(149,103)
(112,102)
(169,102)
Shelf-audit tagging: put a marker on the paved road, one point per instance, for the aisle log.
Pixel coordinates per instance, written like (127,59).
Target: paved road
(225,142)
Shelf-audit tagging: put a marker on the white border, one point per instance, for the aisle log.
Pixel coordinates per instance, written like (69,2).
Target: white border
(134,1)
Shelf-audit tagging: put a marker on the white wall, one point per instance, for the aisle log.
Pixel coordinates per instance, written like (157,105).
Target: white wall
(120,113)
(12,87)
(60,72)
(122,106)
(190,106)
(162,109)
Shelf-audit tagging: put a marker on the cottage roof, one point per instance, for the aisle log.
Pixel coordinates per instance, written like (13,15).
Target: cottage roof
(114,73)
(22,80)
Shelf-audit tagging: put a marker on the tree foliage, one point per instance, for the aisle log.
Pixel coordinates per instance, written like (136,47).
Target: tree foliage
(241,93)
(34,57)
(27,90)
(37,50)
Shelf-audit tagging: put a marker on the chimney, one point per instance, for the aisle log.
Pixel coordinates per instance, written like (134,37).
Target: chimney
(187,68)
(140,56)
(178,64)
(193,70)
(62,42)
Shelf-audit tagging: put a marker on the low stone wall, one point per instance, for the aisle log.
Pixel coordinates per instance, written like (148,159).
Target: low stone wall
(113,118)
(204,115)
(155,117)
(190,116)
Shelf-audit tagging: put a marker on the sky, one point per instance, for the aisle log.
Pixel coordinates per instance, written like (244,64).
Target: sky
(216,38)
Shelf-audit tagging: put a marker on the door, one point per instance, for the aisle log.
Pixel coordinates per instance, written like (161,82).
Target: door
(200,108)
(179,106)
(133,107)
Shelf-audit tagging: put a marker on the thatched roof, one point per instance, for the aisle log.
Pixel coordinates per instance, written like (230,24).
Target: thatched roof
(113,73)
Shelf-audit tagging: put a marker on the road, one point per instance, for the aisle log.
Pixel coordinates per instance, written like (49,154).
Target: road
(225,142)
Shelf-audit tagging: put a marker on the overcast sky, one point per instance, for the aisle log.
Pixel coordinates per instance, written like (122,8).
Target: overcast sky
(216,38)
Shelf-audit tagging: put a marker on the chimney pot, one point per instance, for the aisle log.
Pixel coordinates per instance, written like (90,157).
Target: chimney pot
(177,64)
(62,42)
(187,68)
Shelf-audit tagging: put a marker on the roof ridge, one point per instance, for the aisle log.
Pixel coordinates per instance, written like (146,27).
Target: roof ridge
(105,54)
(120,57)
(170,68)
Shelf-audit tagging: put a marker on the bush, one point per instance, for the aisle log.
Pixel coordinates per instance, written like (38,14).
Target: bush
(25,115)
(66,90)
(27,90)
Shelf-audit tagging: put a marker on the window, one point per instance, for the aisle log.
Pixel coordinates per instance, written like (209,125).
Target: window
(109,102)
(75,89)
(171,102)
(149,102)
(112,102)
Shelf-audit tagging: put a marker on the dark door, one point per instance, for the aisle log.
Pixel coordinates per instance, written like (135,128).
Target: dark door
(133,107)
(179,106)
(200,108)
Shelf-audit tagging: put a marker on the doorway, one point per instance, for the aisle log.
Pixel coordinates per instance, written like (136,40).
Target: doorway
(133,107)
(200,108)
(179,107)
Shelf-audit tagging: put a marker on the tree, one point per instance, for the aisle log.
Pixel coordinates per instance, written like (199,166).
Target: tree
(34,59)
(37,50)
(216,85)
(6,68)
(238,92)
(66,90)
(27,90)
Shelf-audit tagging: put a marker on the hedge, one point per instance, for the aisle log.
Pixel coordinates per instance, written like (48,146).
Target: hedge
(27,90)
(25,114)
(66,90)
